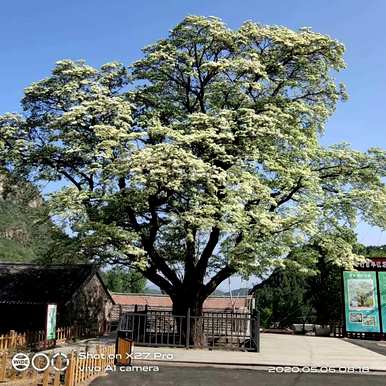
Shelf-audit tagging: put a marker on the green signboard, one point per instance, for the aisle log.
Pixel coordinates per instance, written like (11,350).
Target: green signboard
(361,301)
(51,322)
(382,292)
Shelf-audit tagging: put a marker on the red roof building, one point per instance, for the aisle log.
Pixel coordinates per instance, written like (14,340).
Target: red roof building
(128,302)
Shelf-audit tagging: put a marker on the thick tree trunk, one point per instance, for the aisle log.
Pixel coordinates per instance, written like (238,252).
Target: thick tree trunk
(190,293)
(188,311)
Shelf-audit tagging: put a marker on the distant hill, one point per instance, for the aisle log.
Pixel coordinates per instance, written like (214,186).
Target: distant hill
(25,229)
(240,292)
(152,290)
(217,292)
(235,292)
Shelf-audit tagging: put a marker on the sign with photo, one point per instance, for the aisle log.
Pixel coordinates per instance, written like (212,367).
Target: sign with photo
(382,293)
(51,322)
(361,301)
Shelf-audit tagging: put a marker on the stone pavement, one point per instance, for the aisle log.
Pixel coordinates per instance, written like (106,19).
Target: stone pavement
(83,345)
(281,350)
(213,376)
(275,350)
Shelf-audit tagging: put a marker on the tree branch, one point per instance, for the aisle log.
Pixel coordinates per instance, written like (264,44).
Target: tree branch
(207,252)
(190,252)
(152,275)
(287,197)
(217,279)
(148,244)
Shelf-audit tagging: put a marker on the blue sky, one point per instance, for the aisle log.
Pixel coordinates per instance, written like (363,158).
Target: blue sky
(37,33)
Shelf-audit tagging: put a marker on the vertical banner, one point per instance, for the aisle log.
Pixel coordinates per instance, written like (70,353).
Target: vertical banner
(382,293)
(361,302)
(51,322)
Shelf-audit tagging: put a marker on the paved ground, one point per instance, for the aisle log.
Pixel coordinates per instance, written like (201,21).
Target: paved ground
(288,350)
(373,345)
(196,376)
(83,345)
(276,349)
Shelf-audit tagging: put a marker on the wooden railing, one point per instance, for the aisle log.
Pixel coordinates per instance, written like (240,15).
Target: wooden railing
(79,369)
(66,333)
(10,375)
(13,340)
(17,340)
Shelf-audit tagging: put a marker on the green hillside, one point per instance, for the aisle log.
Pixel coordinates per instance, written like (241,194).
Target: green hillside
(25,230)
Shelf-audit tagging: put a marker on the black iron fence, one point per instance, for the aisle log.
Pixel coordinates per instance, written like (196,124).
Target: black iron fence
(213,330)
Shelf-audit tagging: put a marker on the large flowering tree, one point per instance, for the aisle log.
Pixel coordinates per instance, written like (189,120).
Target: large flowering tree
(201,160)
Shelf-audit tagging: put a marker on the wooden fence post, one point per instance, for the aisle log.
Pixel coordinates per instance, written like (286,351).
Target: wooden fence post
(57,373)
(77,364)
(12,338)
(3,366)
(46,376)
(69,376)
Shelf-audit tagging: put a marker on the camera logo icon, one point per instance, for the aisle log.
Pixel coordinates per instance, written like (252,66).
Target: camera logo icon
(20,361)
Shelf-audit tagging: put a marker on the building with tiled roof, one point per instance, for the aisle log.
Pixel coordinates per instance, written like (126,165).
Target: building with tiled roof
(77,290)
(130,301)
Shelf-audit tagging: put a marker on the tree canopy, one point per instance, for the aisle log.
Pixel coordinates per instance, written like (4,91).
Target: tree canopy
(117,279)
(201,159)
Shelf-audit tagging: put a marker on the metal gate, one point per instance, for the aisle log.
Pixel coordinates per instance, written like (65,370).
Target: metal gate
(219,330)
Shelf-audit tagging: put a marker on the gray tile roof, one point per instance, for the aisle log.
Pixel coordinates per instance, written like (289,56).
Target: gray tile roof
(37,284)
